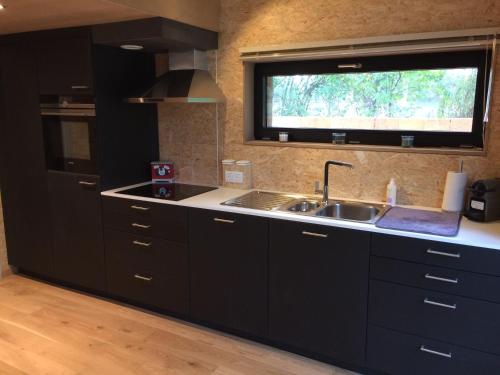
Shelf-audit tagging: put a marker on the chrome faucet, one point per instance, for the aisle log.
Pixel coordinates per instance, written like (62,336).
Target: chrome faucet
(325,183)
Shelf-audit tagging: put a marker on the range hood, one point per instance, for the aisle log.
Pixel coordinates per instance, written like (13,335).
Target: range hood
(187,81)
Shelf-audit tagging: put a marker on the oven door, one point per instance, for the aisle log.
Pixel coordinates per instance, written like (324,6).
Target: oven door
(70,138)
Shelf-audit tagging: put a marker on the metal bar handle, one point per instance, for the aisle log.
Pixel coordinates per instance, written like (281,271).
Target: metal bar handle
(79,87)
(451,255)
(440,304)
(140,243)
(139,208)
(218,220)
(86,183)
(68,114)
(441,354)
(141,226)
(143,278)
(444,279)
(350,66)
(313,234)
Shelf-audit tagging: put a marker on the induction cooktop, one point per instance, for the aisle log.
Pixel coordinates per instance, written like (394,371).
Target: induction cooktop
(167,191)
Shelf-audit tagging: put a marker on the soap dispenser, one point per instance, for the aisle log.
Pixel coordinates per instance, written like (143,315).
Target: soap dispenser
(392,190)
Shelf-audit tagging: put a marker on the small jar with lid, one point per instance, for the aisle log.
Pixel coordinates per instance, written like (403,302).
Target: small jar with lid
(245,168)
(228,169)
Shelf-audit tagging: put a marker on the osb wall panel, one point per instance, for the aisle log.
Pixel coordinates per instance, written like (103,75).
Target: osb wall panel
(420,178)
(188,137)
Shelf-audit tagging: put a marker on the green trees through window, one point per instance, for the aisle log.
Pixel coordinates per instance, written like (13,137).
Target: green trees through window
(431,99)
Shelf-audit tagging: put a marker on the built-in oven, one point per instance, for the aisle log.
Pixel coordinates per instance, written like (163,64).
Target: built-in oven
(70,133)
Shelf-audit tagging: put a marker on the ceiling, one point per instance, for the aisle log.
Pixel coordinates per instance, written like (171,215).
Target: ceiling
(28,15)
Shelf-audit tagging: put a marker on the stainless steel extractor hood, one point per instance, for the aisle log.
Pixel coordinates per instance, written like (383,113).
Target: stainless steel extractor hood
(187,81)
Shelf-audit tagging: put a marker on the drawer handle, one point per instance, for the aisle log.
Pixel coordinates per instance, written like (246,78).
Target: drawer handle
(313,234)
(435,252)
(139,208)
(440,304)
(143,278)
(444,279)
(441,354)
(86,183)
(139,243)
(79,87)
(226,221)
(142,226)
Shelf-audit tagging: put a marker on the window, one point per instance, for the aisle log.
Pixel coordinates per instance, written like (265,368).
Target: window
(436,97)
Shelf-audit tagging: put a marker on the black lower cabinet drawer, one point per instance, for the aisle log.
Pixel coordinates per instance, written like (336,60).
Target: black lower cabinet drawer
(440,279)
(460,257)
(146,218)
(457,320)
(402,354)
(147,270)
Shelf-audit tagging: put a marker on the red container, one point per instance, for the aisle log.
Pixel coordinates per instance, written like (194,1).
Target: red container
(162,171)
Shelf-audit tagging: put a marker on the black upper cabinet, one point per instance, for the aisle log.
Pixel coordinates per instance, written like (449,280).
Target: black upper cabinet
(229,270)
(65,66)
(318,289)
(77,230)
(22,162)
(126,135)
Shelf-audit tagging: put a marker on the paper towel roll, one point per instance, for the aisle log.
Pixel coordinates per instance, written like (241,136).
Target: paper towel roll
(454,192)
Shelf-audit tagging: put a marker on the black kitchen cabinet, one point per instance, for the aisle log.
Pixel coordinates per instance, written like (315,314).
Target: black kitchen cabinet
(433,307)
(65,65)
(48,65)
(397,353)
(147,257)
(318,289)
(77,230)
(22,162)
(147,270)
(228,259)
(126,135)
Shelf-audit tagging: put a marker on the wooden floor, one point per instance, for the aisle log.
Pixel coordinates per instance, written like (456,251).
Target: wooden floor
(45,329)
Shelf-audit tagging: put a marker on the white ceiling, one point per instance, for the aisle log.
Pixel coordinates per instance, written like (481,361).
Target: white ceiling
(28,15)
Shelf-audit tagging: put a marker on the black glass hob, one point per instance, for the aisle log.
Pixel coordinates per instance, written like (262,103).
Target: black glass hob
(167,191)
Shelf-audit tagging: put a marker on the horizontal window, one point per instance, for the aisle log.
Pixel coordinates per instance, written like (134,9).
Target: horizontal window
(438,98)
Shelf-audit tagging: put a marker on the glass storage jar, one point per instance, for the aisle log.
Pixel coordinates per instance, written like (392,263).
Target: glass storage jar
(228,169)
(245,168)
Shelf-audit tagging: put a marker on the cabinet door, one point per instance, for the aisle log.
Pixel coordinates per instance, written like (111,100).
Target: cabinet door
(318,280)
(77,230)
(229,270)
(65,66)
(22,162)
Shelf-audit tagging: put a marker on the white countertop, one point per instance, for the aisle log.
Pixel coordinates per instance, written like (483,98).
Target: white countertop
(471,233)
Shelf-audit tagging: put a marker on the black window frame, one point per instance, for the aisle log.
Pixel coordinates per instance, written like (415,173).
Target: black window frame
(480,59)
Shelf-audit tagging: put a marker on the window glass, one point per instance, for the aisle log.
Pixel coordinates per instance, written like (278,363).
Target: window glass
(414,100)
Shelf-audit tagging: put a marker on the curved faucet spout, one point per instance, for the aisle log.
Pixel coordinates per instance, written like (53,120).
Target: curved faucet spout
(325,177)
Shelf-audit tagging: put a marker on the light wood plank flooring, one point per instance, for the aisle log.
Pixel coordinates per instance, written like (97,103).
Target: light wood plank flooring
(45,329)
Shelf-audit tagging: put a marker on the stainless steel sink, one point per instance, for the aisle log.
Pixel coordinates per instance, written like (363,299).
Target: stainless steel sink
(304,205)
(352,211)
(309,206)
